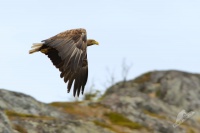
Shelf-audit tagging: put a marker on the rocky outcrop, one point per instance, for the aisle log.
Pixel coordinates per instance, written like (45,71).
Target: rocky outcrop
(5,125)
(155,99)
(147,104)
(24,104)
(20,113)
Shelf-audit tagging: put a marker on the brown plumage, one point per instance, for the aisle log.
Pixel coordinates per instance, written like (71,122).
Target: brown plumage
(68,53)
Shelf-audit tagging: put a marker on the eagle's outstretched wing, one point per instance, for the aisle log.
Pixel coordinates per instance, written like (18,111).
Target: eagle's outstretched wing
(68,52)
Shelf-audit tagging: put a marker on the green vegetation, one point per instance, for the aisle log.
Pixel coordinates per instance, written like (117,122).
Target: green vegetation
(154,115)
(108,126)
(120,120)
(15,114)
(101,124)
(158,92)
(63,104)
(77,109)
(10,113)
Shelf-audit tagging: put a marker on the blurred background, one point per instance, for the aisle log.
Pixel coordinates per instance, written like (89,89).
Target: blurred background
(142,35)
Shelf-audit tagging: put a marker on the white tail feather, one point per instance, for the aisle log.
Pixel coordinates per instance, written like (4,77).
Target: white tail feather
(35,48)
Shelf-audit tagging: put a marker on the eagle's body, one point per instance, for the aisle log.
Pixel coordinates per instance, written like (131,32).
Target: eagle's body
(68,53)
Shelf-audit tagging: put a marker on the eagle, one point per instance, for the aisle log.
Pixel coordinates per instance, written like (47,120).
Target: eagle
(68,53)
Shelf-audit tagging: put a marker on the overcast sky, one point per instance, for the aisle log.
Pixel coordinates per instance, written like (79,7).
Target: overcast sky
(149,34)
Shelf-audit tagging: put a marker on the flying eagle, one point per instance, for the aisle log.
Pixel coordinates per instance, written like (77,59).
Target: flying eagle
(68,52)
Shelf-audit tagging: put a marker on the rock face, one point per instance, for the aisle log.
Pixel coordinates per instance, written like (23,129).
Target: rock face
(153,102)
(21,103)
(20,113)
(156,98)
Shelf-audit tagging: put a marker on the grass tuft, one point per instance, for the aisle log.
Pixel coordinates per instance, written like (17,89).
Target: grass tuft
(154,115)
(101,124)
(10,113)
(120,120)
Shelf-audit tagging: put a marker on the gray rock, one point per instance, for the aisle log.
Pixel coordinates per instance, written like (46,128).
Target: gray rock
(39,117)
(5,125)
(25,104)
(58,126)
(155,99)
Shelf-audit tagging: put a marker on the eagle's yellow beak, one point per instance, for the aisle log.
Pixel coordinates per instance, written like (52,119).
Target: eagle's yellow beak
(97,43)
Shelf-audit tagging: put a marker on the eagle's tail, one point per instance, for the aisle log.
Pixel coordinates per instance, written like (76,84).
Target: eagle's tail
(35,48)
